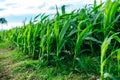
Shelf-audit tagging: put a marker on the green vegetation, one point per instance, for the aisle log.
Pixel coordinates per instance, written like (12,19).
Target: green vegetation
(84,41)
(3,21)
(15,65)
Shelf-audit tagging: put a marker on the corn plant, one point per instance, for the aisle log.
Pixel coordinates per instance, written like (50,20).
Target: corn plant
(49,36)
(109,15)
(118,58)
(104,48)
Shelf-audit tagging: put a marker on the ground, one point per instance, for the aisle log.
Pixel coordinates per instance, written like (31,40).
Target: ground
(5,62)
(15,65)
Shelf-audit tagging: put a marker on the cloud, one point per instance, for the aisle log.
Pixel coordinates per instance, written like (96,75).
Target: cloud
(2,0)
(42,5)
(10,4)
(2,9)
(31,7)
(19,18)
(20,7)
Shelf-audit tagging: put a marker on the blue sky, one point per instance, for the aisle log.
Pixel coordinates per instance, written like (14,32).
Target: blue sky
(15,11)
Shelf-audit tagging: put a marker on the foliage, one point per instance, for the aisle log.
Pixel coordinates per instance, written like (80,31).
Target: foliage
(61,41)
(3,21)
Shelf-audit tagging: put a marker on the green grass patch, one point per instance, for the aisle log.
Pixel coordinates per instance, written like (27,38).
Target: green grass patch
(22,67)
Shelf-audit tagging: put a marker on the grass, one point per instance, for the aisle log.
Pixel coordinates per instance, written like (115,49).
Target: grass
(19,66)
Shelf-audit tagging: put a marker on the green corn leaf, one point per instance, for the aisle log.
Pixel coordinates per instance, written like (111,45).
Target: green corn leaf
(117,38)
(97,7)
(64,29)
(105,46)
(37,16)
(93,39)
(118,59)
(62,33)
(72,32)
(63,9)
(80,38)
(56,29)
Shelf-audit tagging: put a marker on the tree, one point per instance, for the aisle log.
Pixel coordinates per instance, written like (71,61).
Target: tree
(3,21)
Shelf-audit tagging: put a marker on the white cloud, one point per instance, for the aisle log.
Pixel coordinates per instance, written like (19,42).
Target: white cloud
(21,9)
(22,6)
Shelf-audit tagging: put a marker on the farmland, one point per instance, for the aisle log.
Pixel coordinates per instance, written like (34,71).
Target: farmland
(81,45)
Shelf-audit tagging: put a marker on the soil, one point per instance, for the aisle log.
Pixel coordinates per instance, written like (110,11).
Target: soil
(3,51)
(5,71)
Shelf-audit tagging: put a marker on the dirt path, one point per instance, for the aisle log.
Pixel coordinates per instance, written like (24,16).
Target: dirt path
(5,72)
(3,51)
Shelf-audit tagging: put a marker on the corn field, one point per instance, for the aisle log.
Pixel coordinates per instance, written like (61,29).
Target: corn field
(60,41)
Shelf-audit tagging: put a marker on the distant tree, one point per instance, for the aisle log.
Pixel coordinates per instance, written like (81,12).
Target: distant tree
(3,21)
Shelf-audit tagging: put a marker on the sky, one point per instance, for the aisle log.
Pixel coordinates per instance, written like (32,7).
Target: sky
(16,11)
